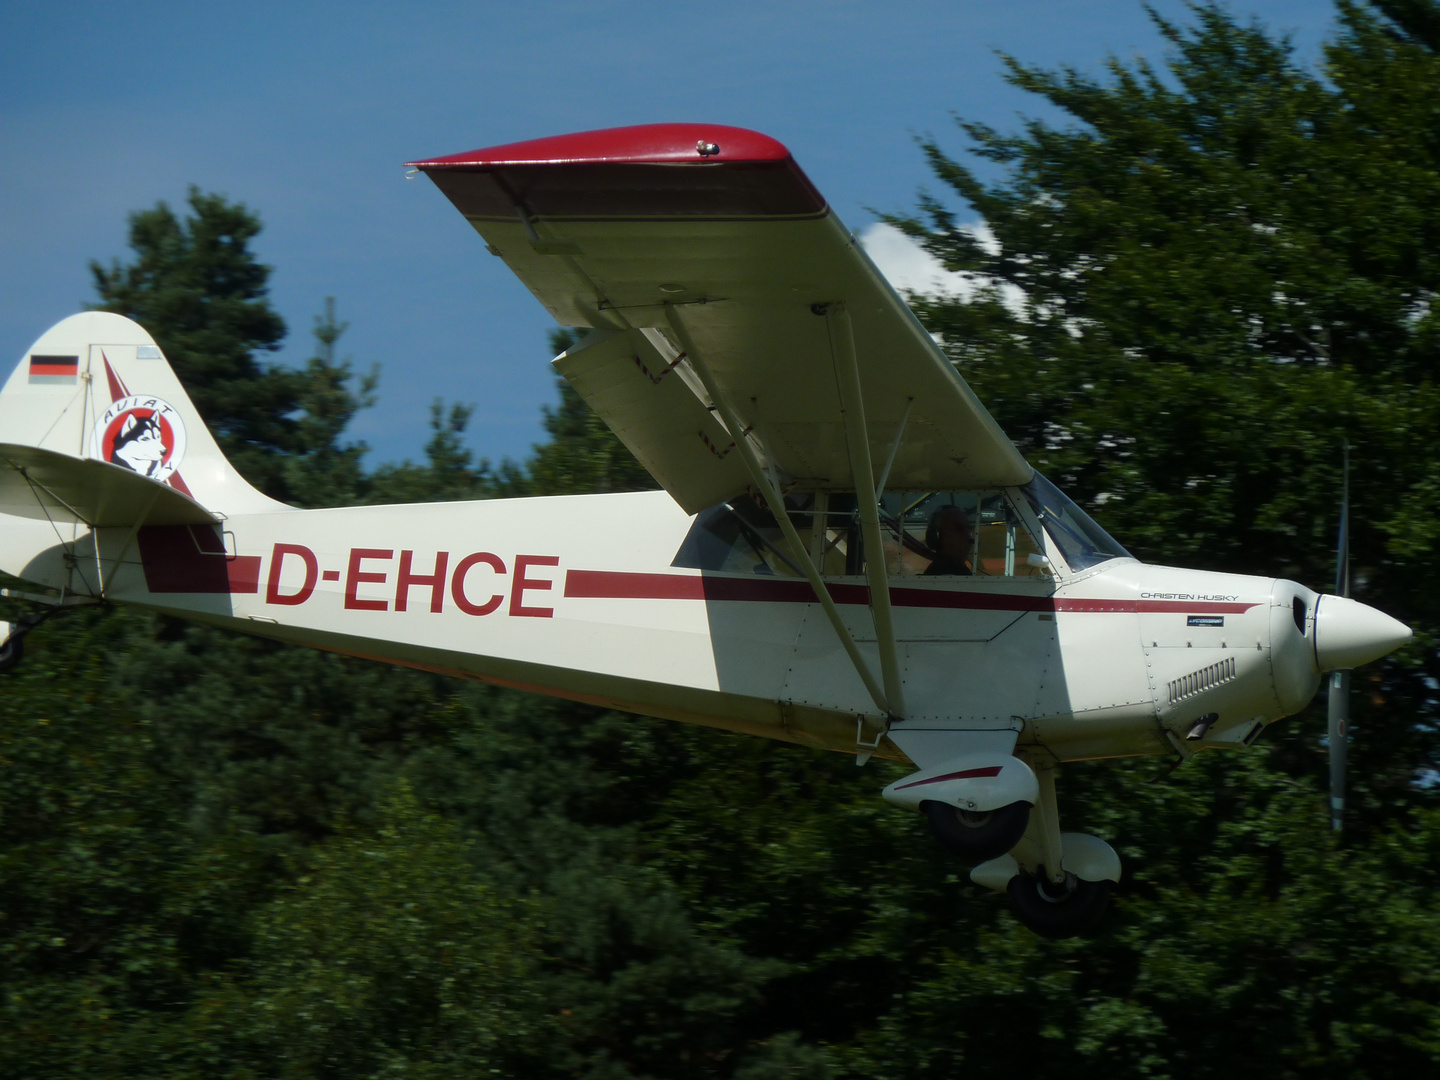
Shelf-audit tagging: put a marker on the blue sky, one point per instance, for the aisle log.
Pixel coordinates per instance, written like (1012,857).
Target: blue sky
(305,113)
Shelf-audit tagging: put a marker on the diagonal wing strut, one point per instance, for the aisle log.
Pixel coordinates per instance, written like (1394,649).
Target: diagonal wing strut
(888,700)
(847,377)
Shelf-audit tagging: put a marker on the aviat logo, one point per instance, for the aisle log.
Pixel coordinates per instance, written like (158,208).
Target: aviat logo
(1204,597)
(142,434)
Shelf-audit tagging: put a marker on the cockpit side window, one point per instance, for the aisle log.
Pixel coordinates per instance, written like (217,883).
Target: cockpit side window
(913,524)
(1083,543)
(741,536)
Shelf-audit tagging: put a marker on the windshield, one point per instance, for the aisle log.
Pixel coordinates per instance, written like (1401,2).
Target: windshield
(1083,543)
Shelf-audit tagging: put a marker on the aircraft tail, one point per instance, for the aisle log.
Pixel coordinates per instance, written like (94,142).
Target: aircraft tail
(95,388)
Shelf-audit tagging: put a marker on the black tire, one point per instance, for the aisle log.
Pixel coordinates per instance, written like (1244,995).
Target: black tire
(11,651)
(1067,910)
(977,836)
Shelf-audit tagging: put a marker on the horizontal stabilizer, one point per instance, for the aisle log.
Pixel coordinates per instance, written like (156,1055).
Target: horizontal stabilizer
(43,484)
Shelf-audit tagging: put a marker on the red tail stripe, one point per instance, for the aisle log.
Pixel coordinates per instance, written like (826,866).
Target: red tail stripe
(117,387)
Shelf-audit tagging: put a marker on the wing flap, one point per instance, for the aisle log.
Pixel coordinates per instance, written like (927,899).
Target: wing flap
(41,484)
(656,414)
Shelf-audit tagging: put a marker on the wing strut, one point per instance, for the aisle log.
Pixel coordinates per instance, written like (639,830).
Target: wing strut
(776,502)
(852,403)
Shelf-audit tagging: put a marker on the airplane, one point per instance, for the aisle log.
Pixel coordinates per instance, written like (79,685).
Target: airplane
(847,553)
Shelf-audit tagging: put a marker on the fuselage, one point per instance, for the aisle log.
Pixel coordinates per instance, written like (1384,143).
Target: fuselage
(579,597)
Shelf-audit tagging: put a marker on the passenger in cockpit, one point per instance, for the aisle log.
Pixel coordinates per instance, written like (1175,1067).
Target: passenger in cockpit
(949,536)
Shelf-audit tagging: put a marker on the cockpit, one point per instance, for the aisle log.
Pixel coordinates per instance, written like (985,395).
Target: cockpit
(1000,527)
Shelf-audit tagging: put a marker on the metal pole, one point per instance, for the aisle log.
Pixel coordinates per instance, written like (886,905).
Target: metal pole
(847,376)
(776,502)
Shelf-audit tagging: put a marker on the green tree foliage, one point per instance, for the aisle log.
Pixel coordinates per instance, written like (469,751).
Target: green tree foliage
(225,857)
(197,287)
(318,468)
(388,955)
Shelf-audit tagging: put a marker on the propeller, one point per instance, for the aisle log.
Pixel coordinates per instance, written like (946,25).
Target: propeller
(1338,699)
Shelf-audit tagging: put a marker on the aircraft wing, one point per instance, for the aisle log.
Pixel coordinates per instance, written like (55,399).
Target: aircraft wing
(630,229)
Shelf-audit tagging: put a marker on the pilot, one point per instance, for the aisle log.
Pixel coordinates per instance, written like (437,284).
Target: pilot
(948,535)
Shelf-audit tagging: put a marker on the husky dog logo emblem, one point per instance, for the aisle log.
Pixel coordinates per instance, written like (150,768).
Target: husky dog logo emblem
(143,434)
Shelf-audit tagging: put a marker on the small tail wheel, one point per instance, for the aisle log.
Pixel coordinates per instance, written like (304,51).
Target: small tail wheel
(1058,909)
(11,650)
(977,835)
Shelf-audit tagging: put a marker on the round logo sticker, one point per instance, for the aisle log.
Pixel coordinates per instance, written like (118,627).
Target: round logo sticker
(143,434)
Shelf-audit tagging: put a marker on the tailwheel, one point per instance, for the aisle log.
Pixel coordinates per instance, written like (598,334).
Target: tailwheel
(1058,909)
(977,835)
(12,638)
(11,650)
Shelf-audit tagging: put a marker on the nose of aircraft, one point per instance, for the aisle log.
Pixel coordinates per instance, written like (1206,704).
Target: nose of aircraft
(1349,633)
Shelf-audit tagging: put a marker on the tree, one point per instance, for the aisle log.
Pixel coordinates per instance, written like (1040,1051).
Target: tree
(320,469)
(199,290)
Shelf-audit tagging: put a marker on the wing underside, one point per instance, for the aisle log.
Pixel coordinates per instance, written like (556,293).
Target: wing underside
(689,234)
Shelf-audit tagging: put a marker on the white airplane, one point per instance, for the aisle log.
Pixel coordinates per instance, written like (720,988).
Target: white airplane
(848,552)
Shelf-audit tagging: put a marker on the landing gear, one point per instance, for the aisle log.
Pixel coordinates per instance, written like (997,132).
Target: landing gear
(999,811)
(12,638)
(1064,902)
(977,835)
(11,649)
(1067,908)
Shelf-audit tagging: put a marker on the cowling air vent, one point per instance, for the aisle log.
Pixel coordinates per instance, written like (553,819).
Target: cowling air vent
(1204,679)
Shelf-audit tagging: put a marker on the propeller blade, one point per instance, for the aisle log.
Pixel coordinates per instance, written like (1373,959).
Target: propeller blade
(1338,703)
(1342,543)
(1339,715)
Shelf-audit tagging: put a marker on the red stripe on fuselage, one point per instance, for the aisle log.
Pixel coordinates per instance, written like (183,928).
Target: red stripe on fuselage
(620,585)
(192,559)
(963,774)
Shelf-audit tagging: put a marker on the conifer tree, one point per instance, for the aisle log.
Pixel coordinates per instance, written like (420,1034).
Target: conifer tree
(197,286)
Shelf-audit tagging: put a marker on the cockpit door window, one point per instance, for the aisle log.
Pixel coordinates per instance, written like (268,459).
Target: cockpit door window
(918,536)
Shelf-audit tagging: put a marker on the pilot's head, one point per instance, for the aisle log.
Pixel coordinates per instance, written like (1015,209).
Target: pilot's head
(949,533)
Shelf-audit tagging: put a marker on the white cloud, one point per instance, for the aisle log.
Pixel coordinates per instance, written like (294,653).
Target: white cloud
(912,269)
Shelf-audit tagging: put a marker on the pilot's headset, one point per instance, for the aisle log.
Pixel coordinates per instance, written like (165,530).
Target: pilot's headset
(932,530)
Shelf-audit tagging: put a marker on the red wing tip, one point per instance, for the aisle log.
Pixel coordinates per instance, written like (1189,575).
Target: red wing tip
(645,144)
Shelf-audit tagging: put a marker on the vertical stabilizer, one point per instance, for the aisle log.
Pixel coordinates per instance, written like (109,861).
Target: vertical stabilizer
(97,386)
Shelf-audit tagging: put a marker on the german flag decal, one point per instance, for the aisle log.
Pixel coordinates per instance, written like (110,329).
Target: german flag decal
(55,370)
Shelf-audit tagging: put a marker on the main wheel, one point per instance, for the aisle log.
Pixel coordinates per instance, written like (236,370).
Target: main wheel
(977,836)
(1058,909)
(11,650)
